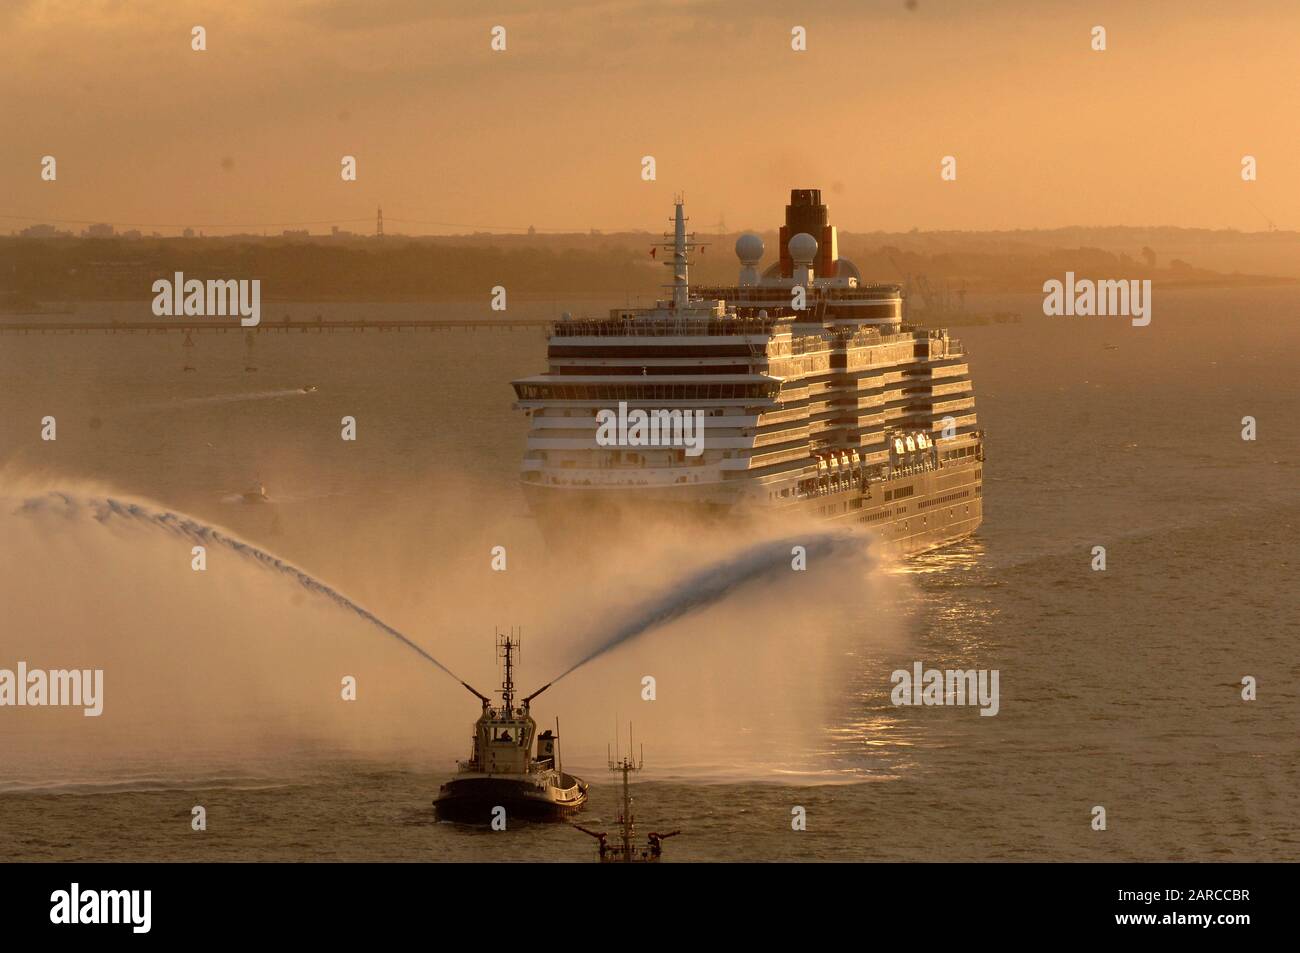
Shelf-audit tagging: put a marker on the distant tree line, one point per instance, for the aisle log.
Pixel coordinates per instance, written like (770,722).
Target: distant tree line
(408,268)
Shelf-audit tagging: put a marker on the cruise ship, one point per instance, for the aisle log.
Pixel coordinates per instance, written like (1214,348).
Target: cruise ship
(798,390)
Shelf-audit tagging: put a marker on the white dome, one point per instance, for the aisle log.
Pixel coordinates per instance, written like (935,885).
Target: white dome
(803,248)
(749,248)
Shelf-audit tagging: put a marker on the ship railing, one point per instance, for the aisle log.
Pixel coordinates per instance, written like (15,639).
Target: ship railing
(865,291)
(661,327)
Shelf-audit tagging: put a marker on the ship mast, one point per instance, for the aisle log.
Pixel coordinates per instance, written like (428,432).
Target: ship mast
(682,244)
(623,852)
(506,646)
(626,820)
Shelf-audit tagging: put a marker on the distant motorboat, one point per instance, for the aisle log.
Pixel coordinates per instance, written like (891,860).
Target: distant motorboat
(309,389)
(257,494)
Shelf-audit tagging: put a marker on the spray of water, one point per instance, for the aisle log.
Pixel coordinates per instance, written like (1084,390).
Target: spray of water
(713,583)
(105,509)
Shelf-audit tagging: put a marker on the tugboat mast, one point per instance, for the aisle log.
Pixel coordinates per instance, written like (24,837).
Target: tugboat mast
(506,646)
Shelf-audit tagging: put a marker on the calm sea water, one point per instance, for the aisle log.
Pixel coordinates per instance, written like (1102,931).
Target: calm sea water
(1118,688)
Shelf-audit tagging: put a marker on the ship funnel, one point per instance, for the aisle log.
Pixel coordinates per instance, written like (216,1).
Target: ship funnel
(806,214)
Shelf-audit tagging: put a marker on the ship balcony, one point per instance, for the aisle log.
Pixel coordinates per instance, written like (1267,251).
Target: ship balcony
(635,325)
(951,407)
(781,436)
(709,440)
(732,418)
(760,460)
(604,390)
(945,389)
(957,440)
(945,371)
(963,423)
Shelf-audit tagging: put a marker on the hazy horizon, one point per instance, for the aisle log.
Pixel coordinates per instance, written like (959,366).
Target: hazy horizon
(450,136)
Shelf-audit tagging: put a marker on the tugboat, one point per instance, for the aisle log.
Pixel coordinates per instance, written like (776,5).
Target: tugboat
(623,851)
(502,771)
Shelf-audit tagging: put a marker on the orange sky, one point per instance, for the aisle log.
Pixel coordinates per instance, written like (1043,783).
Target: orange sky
(1046,132)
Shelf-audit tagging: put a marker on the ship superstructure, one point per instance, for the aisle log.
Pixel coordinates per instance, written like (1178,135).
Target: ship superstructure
(813,394)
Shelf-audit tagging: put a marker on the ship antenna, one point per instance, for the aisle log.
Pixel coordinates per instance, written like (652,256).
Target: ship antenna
(506,645)
(681,281)
(625,765)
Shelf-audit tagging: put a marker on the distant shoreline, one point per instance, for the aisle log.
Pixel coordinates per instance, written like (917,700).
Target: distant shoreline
(977,312)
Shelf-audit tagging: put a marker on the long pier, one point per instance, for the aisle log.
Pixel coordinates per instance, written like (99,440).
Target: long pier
(284,325)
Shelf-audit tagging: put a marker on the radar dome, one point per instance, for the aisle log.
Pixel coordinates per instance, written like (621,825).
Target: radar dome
(803,248)
(749,248)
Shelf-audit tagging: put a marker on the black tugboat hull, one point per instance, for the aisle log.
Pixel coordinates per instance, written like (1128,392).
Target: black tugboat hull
(471,801)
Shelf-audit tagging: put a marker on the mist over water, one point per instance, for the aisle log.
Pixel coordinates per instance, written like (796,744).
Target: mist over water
(103,509)
(132,605)
(222,687)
